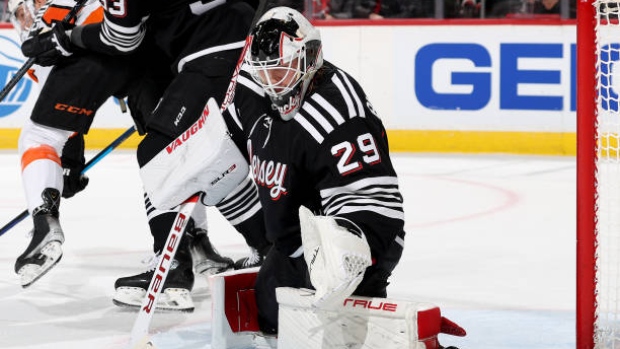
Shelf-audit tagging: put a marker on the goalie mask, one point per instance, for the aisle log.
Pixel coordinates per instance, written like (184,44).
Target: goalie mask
(22,16)
(284,56)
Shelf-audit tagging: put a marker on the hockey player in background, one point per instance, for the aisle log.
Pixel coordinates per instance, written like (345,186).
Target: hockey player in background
(52,130)
(60,117)
(202,40)
(314,140)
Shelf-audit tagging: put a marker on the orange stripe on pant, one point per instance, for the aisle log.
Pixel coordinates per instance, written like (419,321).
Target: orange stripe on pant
(41,152)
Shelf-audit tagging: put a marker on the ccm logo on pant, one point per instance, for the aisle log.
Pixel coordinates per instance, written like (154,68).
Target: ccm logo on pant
(73,109)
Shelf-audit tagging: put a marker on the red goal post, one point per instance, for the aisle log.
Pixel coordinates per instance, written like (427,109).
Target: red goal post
(598,175)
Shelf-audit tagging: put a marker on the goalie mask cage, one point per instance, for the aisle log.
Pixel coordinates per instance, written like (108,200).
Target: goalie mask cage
(598,175)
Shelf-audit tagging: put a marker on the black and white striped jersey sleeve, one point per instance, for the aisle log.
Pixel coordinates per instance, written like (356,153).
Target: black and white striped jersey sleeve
(123,39)
(241,204)
(121,31)
(329,108)
(374,204)
(378,195)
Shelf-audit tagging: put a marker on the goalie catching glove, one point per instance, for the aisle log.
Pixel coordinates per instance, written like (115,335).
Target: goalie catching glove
(49,47)
(337,257)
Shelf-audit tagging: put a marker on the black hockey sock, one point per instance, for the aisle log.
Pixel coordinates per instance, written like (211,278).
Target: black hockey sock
(238,205)
(160,228)
(254,233)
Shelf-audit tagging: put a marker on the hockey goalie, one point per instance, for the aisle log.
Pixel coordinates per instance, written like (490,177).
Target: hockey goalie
(319,156)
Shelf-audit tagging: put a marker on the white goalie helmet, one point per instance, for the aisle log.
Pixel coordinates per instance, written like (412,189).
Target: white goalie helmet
(285,54)
(22,16)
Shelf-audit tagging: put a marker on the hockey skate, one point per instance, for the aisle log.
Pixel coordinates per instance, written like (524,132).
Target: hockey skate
(207,261)
(44,250)
(130,290)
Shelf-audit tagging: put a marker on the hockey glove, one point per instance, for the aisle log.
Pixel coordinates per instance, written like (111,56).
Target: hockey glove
(74,181)
(50,47)
(73,163)
(337,257)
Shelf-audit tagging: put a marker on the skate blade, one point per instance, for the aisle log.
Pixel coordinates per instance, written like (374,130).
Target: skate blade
(172,299)
(30,273)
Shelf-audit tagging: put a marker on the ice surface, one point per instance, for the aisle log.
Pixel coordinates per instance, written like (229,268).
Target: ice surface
(491,240)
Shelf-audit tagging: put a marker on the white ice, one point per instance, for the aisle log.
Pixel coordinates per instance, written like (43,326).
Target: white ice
(491,240)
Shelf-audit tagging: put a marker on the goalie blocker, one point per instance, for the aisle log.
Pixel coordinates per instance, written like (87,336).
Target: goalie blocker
(210,160)
(370,323)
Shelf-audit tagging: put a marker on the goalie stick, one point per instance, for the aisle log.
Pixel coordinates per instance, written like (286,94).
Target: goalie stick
(139,334)
(139,338)
(31,61)
(88,165)
(230,91)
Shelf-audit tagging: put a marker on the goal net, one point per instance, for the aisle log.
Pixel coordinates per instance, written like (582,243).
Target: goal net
(598,175)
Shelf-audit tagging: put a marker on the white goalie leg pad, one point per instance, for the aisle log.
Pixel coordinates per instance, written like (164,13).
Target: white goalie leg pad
(359,322)
(234,322)
(202,159)
(336,258)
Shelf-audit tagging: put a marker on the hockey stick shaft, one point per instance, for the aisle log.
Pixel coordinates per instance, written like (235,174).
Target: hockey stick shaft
(31,61)
(16,78)
(230,91)
(140,330)
(108,149)
(88,165)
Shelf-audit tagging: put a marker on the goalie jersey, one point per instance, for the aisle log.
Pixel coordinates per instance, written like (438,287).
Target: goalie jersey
(332,157)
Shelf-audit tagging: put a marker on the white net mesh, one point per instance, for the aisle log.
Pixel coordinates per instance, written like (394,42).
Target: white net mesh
(607,326)
(354,265)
